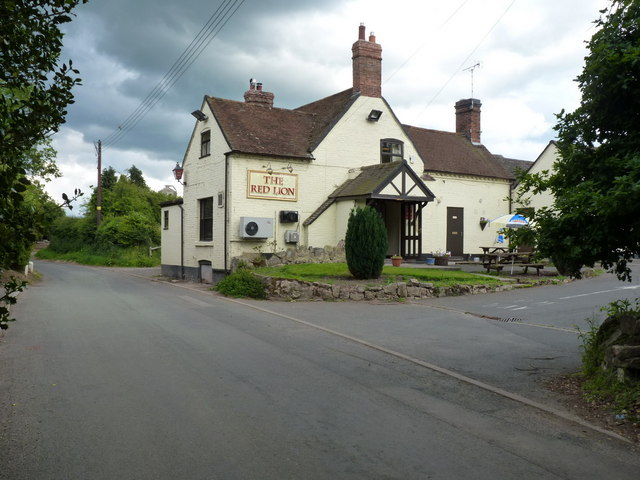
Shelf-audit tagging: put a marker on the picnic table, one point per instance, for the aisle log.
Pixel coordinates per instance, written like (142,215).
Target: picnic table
(496,258)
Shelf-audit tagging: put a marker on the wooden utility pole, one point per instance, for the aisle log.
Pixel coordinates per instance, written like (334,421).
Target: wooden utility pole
(99,189)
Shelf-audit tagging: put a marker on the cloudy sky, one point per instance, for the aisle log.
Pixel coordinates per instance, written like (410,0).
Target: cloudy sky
(529,51)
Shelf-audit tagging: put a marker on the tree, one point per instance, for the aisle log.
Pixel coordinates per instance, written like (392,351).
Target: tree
(35,90)
(109,178)
(596,182)
(366,243)
(136,177)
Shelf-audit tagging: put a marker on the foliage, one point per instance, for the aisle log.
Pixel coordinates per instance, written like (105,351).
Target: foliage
(366,243)
(243,284)
(10,288)
(130,223)
(132,229)
(35,90)
(596,182)
(135,177)
(109,178)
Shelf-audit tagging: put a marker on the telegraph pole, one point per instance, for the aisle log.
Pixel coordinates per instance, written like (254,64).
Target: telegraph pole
(99,189)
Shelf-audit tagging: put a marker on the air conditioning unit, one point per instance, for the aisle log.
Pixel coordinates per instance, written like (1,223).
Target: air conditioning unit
(288,216)
(291,236)
(256,227)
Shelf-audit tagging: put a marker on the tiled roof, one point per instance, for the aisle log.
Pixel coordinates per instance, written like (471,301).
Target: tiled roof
(263,130)
(271,131)
(448,152)
(513,165)
(327,112)
(369,182)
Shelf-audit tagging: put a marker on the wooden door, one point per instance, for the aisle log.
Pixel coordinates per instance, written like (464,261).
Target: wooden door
(455,231)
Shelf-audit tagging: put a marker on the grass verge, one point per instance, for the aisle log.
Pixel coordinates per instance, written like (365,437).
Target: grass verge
(338,272)
(117,257)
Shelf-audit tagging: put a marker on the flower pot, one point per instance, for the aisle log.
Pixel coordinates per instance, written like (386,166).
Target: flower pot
(442,261)
(396,261)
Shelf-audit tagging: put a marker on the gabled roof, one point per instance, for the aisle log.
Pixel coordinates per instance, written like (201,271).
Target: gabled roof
(447,152)
(393,180)
(262,130)
(327,112)
(385,180)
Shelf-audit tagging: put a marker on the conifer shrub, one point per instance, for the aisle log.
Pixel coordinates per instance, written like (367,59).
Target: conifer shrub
(366,243)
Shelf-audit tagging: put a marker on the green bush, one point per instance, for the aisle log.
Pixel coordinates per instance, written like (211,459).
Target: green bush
(130,230)
(366,243)
(242,284)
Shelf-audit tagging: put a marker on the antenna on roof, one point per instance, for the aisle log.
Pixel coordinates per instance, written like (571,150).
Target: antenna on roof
(471,69)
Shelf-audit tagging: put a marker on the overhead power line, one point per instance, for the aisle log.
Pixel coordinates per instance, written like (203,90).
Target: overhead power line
(466,60)
(207,33)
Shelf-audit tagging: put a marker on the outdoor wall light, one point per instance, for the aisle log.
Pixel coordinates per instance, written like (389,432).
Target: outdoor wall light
(374,115)
(268,167)
(288,167)
(201,117)
(178,171)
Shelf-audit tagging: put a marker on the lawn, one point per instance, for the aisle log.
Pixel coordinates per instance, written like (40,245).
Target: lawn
(335,273)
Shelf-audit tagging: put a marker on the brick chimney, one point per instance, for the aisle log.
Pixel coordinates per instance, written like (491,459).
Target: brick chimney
(468,118)
(256,96)
(367,65)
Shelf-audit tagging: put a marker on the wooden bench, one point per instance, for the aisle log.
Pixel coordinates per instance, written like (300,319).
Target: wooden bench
(494,266)
(498,267)
(537,266)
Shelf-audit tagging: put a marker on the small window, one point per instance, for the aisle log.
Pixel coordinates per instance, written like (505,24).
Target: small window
(166,220)
(391,150)
(220,199)
(206,219)
(205,143)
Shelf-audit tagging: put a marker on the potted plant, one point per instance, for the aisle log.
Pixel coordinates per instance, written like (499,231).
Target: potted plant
(442,257)
(396,260)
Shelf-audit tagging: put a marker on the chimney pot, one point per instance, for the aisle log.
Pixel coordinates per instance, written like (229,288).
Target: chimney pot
(367,65)
(361,32)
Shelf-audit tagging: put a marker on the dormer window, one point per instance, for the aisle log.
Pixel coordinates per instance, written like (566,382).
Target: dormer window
(205,143)
(391,150)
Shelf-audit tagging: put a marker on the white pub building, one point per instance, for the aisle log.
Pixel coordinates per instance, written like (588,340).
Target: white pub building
(257,177)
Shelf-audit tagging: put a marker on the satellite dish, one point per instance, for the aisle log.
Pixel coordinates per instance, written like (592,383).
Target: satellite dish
(251,228)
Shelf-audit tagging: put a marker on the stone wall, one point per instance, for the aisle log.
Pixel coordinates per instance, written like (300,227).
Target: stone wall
(620,335)
(289,290)
(327,254)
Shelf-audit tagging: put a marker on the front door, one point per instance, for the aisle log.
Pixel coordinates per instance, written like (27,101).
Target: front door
(455,231)
(411,235)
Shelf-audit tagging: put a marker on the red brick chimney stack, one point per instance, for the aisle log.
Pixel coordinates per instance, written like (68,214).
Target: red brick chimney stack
(367,65)
(468,119)
(256,96)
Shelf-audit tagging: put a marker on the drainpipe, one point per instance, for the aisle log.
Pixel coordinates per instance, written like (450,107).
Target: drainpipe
(226,212)
(181,242)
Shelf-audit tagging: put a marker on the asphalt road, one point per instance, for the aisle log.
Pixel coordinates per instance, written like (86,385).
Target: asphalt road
(109,376)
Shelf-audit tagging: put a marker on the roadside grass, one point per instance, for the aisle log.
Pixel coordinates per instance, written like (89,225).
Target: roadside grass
(336,272)
(116,257)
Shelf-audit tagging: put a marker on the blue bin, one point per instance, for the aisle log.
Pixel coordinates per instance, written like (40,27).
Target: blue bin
(430,261)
